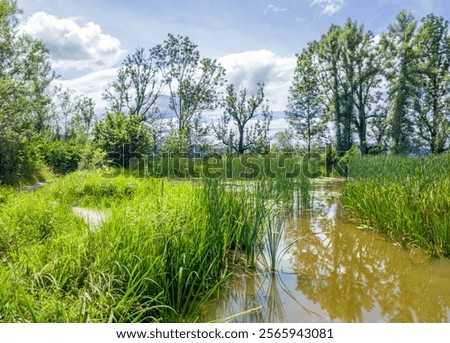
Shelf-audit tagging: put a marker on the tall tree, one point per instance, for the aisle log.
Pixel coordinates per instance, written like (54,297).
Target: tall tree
(192,81)
(25,76)
(400,66)
(432,101)
(361,69)
(304,109)
(235,129)
(334,85)
(137,87)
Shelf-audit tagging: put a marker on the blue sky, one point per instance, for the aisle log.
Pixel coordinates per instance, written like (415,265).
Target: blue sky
(255,40)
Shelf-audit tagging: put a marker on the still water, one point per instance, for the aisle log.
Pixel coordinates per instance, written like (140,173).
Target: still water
(337,272)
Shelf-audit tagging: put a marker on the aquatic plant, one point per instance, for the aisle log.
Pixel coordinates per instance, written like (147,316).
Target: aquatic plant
(405,199)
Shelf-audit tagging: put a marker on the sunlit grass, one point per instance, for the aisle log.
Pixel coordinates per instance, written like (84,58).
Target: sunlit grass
(163,250)
(406,199)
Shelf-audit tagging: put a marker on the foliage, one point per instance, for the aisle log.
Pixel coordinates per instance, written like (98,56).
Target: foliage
(432,98)
(193,82)
(305,112)
(405,198)
(61,156)
(240,110)
(397,47)
(123,138)
(25,75)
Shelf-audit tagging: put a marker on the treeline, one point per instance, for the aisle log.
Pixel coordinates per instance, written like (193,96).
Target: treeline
(350,88)
(386,92)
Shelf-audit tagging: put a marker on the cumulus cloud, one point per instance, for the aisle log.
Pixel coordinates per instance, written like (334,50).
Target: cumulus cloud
(247,69)
(92,85)
(73,46)
(329,6)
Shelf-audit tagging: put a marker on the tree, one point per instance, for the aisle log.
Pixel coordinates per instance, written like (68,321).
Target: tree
(304,109)
(399,60)
(136,90)
(83,119)
(283,142)
(122,137)
(432,100)
(192,82)
(25,76)
(337,91)
(361,69)
(137,87)
(240,109)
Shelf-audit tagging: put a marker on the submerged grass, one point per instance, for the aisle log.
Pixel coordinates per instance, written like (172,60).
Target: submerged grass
(405,198)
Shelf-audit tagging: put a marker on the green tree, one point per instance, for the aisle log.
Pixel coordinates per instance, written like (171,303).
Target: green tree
(122,137)
(193,82)
(335,86)
(25,76)
(283,141)
(83,118)
(137,87)
(240,110)
(136,90)
(400,69)
(432,101)
(362,72)
(304,109)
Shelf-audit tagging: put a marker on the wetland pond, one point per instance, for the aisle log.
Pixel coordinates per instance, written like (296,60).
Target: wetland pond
(336,272)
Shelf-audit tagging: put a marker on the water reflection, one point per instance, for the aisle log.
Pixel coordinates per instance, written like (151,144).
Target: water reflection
(338,272)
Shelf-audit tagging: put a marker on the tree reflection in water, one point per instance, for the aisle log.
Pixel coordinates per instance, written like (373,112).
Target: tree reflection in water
(339,273)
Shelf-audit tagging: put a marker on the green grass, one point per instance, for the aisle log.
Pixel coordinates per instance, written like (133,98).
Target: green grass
(164,249)
(405,198)
(162,252)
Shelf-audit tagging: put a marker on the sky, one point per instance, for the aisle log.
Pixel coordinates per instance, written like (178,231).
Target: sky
(255,40)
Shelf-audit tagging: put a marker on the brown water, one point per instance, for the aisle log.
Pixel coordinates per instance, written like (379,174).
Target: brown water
(337,272)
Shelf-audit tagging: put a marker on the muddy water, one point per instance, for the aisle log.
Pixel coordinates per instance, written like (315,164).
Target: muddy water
(337,272)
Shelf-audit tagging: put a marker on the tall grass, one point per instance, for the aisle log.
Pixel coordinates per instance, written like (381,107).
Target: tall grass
(163,250)
(407,199)
(392,167)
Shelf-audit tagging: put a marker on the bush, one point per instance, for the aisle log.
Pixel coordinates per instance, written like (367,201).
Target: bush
(61,156)
(19,159)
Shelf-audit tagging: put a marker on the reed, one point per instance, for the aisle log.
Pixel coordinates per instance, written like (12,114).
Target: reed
(409,205)
(164,249)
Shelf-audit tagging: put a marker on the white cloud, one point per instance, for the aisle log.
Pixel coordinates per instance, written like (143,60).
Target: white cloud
(329,6)
(73,46)
(273,8)
(92,85)
(249,68)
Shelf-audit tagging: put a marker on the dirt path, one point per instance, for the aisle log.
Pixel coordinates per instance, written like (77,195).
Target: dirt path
(93,218)
(36,186)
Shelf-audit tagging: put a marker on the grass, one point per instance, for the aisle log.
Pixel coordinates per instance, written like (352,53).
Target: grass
(405,198)
(164,249)
(166,246)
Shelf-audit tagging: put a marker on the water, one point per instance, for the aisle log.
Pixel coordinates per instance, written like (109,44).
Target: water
(337,272)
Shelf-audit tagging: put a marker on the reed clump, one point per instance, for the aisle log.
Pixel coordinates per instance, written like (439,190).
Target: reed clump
(409,204)
(162,251)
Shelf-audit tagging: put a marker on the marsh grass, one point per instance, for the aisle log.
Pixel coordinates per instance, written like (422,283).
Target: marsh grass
(406,199)
(163,250)
(165,246)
